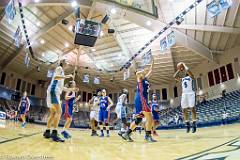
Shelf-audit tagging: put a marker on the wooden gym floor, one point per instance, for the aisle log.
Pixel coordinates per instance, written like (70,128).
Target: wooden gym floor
(220,142)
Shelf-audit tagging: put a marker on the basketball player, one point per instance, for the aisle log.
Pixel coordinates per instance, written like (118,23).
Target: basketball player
(94,102)
(67,107)
(121,111)
(104,112)
(53,101)
(185,76)
(155,110)
(141,103)
(23,107)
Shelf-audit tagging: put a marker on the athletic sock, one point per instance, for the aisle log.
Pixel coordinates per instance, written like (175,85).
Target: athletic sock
(129,131)
(148,133)
(107,131)
(194,123)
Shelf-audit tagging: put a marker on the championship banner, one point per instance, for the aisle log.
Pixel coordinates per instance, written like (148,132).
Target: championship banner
(26,59)
(213,9)
(171,39)
(126,74)
(147,58)
(10,11)
(225,4)
(163,44)
(17,37)
(86,78)
(96,80)
(50,73)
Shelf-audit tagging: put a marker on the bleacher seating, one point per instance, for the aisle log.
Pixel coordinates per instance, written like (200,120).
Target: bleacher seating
(210,111)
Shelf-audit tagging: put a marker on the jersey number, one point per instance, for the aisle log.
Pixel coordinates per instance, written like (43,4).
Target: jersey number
(185,84)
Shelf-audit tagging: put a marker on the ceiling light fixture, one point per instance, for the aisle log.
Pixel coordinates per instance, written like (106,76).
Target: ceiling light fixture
(101,33)
(74,4)
(113,11)
(38,24)
(36,1)
(93,49)
(70,28)
(42,41)
(149,23)
(66,45)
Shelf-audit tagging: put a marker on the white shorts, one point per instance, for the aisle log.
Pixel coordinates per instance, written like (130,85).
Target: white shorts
(50,99)
(188,100)
(120,111)
(94,115)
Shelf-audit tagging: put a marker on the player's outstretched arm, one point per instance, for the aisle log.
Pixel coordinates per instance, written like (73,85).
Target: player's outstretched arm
(149,72)
(190,74)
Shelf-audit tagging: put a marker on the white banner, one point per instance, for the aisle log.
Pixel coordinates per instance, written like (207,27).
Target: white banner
(10,11)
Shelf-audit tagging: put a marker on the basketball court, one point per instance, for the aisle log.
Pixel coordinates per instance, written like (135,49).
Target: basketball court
(208,143)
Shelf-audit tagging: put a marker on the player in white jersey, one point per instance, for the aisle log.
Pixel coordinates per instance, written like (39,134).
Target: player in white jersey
(121,111)
(94,102)
(185,76)
(53,101)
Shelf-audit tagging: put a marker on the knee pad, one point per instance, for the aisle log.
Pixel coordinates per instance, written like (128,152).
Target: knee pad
(96,123)
(106,124)
(100,123)
(138,121)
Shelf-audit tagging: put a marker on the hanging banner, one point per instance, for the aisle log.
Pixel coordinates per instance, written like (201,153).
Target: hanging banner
(163,44)
(50,73)
(171,39)
(147,58)
(225,4)
(126,74)
(10,11)
(17,37)
(213,9)
(96,80)
(26,59)
(86,78)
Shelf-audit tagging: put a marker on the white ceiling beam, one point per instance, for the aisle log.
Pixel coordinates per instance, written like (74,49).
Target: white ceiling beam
(82,3)
(91,11)
(209,28)
(193,45)
(51,25)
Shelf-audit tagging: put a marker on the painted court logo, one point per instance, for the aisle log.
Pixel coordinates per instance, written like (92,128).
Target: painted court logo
(227,151)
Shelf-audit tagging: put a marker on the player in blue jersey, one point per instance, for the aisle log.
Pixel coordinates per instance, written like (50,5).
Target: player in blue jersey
(105,104)
(23,108)
(67,108)
(186,77)
(155,110)
(53,101)
(142,107)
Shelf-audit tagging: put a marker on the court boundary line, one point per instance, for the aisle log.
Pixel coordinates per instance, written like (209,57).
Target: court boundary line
(207,150)
(17,138)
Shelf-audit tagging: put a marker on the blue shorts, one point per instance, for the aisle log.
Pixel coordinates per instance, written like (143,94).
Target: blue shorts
(23,110)
(67,110)
(138,103)
(155,116)
(54,99)
(104,116)
(141,104)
